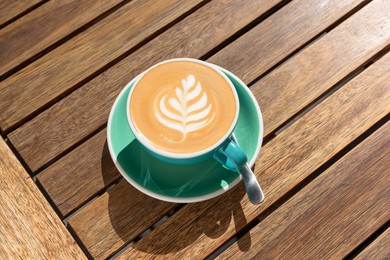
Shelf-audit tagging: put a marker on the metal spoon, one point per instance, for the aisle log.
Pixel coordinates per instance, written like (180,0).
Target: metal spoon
(252,186)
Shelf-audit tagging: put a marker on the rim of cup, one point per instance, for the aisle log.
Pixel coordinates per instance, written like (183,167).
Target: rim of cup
(173,155)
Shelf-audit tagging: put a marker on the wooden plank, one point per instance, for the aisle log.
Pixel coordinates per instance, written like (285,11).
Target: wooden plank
(250,56)
(59,70)
(378,249)
(38,30)
(282,155)
(89,182)
(199,229)
(11,8)
(124,212)
(70,181)
(330,216)
(29,227)
(89,106)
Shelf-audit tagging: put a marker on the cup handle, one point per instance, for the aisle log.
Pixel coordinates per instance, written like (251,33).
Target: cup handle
(232,157)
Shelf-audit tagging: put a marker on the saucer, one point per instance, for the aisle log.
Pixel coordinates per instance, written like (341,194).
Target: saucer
(181,183)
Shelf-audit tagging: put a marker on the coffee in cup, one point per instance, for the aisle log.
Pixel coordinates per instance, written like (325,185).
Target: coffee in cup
(183,106)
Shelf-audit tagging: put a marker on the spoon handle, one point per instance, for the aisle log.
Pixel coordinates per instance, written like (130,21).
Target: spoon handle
(253,189)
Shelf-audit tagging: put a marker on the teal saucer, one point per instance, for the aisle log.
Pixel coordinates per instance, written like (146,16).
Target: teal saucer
(184,183)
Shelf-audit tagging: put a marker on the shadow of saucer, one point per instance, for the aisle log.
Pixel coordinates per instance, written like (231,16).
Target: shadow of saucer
(132,212)
(195,222)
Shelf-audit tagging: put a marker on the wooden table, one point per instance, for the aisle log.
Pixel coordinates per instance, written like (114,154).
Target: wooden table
(320,70)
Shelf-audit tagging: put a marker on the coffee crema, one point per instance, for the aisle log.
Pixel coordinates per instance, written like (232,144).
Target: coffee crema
(182,107)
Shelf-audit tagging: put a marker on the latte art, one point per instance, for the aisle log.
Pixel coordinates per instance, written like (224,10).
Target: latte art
(182,107)
(189,110)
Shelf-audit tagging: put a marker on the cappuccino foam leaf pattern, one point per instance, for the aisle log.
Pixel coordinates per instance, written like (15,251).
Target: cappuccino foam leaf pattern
(182,107)
(188,110)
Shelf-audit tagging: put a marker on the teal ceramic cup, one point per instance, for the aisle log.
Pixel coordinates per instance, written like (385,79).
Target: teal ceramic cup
(226,150)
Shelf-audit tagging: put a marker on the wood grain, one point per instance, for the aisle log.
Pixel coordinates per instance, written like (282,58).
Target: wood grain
(29,228)
(379,248)
(199,229)
(305,19)
(324,63)
(41,28)
(124,213)
(71,181)
(11,8)
(90,104)
(330,216)
(59,70)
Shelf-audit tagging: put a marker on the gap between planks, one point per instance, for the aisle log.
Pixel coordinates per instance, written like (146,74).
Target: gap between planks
(78,241)
(23,13)
(360,248)
(59,42)
(91,199)
(18,156)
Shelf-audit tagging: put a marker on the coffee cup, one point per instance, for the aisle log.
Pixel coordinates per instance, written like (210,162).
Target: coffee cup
(184,111)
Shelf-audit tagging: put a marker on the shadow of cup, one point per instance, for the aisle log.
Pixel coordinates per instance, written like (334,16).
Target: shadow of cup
(198,225)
